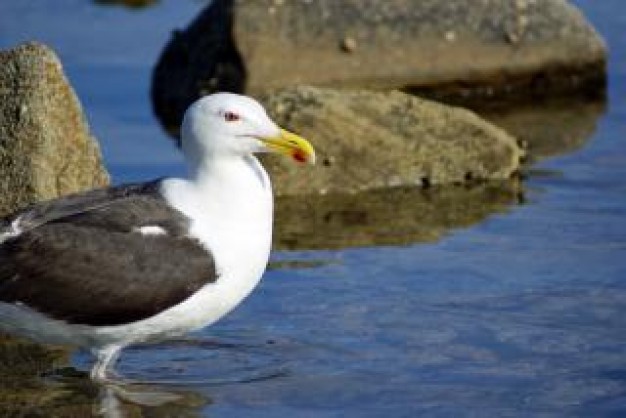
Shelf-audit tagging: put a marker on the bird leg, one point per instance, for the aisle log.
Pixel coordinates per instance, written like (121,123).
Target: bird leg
(105,358)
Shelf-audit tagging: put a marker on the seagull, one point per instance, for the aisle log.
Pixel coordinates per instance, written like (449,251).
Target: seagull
(144,262)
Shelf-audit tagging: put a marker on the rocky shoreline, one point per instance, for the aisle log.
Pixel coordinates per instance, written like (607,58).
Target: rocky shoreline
(368,138)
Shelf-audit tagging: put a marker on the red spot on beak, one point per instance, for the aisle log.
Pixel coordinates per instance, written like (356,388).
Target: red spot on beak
(299,156)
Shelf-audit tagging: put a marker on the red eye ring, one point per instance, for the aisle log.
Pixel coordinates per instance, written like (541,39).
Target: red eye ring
(231,117)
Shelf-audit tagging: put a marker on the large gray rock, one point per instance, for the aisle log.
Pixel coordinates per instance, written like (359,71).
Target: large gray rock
(368,140)
(442,48)
(46,149)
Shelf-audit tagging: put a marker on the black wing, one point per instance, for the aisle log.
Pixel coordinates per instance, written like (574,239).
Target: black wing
(80,258)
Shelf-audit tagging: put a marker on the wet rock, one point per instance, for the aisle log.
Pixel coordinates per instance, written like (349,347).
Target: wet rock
(367,140)
(460,48)
(46,149)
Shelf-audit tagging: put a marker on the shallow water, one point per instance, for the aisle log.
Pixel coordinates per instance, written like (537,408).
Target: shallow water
(517,310)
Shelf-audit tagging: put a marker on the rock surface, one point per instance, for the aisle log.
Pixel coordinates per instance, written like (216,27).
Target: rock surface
(440,48)
(368,140)
(46,149)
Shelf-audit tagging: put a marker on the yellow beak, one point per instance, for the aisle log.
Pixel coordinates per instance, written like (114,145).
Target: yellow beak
(292,145)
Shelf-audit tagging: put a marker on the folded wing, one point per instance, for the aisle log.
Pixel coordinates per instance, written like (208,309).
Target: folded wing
(83,259)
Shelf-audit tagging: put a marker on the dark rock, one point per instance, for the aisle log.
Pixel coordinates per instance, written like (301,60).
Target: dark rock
(446,49)
(46,149)
(367,140)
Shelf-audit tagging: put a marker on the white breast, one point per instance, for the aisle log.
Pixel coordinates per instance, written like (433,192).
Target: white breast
(230,207)
(231,211)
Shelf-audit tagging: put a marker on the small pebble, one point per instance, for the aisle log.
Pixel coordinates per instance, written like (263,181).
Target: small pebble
(450,36)
(348,44)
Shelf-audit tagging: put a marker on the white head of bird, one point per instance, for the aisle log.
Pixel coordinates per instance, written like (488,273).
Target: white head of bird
(226,125)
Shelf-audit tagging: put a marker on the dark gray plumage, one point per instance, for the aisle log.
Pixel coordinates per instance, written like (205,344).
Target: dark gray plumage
(71,249)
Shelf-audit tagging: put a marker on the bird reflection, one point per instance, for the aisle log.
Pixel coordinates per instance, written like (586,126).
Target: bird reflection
(176,387)
(70,392)
(117,400)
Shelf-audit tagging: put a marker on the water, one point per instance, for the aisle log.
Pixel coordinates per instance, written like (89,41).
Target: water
(518,310)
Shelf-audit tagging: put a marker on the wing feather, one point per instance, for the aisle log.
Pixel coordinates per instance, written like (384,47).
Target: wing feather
(80,259)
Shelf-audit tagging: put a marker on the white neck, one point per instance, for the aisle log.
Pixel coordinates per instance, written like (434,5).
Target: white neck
(229,201)
(229,169)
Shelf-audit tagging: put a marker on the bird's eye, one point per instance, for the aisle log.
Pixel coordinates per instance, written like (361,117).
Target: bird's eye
(231,117)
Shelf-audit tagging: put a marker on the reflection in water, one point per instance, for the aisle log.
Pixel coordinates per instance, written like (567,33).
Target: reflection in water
(395,216)
(551,127)
(22,392)
(79,396)
(121,400)
(30,386)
